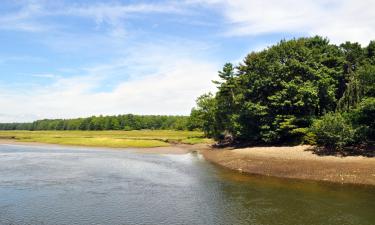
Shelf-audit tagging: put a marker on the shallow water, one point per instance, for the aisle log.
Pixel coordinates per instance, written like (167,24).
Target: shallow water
(66,185)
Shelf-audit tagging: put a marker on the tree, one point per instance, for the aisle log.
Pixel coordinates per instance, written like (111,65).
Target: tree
(363,118)
(278,90)
(123,122)
(225,115)
(204,114)
(274,95)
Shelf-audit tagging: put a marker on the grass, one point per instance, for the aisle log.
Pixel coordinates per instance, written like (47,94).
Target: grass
(114,139)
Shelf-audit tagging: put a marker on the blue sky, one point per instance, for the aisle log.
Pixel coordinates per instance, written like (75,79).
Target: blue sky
(65,59)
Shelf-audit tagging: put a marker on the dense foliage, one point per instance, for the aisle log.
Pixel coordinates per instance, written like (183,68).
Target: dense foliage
(274,96)
(333,131)
(121,122)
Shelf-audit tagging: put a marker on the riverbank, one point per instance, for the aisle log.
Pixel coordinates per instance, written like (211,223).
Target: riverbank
(297,162)
(175,149)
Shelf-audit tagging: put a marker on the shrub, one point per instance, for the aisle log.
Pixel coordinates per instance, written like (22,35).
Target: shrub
(363,118)
(304,136)
(333,131)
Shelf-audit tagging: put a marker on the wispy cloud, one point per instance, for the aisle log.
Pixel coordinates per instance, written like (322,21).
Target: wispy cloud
(111,13)
(24,19)
(340,20)
(31,15)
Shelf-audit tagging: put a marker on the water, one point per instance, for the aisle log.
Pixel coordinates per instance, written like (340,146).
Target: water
(64,185)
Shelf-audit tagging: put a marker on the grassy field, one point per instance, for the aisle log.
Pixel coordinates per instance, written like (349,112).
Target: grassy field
(114,139)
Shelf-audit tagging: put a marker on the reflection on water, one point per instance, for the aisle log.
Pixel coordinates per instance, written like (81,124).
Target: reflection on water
(64,185)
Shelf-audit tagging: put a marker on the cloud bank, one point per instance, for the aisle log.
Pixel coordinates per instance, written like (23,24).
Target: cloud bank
(170,89)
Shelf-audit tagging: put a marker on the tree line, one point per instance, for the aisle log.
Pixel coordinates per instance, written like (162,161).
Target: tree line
(304,90)
(120,122)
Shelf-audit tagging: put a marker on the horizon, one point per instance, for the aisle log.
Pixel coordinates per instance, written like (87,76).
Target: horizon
(76,59)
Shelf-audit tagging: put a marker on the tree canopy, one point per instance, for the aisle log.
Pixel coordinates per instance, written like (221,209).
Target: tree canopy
(274,95)
(120,122)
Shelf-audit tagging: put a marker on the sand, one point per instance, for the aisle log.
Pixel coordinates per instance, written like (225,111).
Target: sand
(173,149)
(297,162)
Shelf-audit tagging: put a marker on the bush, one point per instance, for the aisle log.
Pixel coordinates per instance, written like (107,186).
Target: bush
(363,118)
(366,112)
(333,131)
(303,136)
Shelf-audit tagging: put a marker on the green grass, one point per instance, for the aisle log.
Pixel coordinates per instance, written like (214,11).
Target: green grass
(114,139)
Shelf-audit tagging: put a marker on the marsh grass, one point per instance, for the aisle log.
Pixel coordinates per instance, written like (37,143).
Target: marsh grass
(114,139)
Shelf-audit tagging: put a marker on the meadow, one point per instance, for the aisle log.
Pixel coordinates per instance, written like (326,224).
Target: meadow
(113,139)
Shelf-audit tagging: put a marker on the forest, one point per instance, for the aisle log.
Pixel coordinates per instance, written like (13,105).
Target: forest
(120,122)
(304,90)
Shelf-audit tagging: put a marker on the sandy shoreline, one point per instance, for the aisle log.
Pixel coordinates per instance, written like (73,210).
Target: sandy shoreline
(297,162)
(173,149)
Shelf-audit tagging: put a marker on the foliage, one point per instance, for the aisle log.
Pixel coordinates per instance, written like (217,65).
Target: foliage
(363,117)
(333,131)
(274,95)
(120,122)
(203,116)
(366,113)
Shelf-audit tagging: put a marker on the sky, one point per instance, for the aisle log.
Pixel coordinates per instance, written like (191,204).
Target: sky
(68,59)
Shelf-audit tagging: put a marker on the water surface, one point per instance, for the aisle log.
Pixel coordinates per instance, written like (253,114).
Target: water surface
(69,185)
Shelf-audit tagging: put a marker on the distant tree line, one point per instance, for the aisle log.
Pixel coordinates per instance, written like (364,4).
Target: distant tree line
(303,90)
(120,122)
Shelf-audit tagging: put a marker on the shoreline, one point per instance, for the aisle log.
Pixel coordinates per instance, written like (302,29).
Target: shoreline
(297,162)
(174,149)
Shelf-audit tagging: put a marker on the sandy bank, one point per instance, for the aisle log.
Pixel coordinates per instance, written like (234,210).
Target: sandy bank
(297,162)
(173,149)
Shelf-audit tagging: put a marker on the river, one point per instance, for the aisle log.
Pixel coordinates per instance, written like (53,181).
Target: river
(70,185)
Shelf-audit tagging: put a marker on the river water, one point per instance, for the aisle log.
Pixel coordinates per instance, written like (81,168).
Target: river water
(69,185)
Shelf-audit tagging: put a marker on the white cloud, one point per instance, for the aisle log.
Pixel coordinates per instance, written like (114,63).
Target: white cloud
(115,14)
(168,92)
(111,13)
(339,20)
(164,77)
(170,88)
(24,19)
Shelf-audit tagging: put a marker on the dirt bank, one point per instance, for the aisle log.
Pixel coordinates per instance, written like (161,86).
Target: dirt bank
(296,162)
